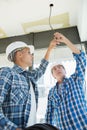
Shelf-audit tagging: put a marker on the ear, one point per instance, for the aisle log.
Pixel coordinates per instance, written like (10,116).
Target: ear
(19,53)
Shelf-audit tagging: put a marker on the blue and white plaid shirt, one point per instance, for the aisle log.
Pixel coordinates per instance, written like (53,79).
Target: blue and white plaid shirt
(67,107)
(15,97)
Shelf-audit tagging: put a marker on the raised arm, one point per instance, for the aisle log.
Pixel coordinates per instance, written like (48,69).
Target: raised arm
(52,45)
(38,72)
(79,56)
(62,39)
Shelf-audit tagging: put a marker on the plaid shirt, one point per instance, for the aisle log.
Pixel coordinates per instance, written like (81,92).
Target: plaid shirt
(66,104)
(15,97)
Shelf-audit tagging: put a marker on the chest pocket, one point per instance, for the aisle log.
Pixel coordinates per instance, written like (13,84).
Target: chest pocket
(19,93)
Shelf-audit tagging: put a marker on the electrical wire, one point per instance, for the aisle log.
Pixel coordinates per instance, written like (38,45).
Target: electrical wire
(51,5)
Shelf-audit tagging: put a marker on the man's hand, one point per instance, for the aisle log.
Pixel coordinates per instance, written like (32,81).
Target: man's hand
(62,39)
(52,45)
(18,129)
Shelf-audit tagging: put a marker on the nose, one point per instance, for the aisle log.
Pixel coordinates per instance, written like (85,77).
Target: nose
(32,55)
(58,69)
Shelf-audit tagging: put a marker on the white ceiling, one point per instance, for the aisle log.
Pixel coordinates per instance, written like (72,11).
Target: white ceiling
(18,17)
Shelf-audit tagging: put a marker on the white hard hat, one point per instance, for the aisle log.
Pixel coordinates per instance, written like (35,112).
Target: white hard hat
(16,45)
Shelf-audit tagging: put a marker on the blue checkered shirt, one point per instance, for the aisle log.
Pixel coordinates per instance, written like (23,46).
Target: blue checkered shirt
(15,97)
(67,108)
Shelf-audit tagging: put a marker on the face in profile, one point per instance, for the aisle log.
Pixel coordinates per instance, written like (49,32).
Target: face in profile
(25,56)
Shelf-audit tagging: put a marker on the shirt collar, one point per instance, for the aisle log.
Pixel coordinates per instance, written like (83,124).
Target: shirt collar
(64,81)
(18,68)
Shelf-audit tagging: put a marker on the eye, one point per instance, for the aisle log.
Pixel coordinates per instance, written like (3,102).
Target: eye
(29,52)
(55,68)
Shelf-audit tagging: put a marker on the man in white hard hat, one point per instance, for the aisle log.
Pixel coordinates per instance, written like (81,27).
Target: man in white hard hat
(16,46)
(18,89)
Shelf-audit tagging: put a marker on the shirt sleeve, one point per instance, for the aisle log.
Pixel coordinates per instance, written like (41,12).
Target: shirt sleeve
(38,72)
(80,66)
(49,111)
(5,82)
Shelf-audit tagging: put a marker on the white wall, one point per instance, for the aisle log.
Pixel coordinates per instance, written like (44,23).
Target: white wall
(82,20)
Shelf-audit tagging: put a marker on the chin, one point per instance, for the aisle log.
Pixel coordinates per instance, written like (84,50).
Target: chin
(30,65)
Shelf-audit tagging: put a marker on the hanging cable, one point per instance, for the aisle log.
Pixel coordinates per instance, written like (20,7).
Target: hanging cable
(51,5)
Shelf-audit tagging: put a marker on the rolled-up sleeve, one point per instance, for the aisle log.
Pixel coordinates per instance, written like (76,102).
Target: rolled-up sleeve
(49,110)
(80,66)
(38,72)
(5,123)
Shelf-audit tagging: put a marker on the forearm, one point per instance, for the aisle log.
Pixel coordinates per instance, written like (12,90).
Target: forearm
(47,55)
(18,129)
(5,123)
(38,72)
(62,39)
(52,45)
(73,48)
(80,65)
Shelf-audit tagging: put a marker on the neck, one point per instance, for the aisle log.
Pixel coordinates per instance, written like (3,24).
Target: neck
(23,66)
(60,80)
